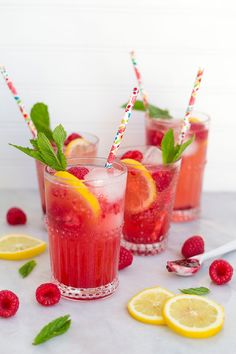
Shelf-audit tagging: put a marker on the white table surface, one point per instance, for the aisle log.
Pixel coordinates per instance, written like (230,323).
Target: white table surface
(104,326)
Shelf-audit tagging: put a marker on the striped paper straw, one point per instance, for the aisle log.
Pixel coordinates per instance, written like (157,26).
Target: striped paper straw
(19,102)
(186,123)
(122,128)
(139,79)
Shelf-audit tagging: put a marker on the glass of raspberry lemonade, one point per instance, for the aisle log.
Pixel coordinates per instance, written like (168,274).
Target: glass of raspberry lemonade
(76,145)
(85,206)
(190,181)
(149,199)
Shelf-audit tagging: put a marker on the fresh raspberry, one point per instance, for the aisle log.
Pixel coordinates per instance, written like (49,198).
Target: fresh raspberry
(48,294)
(193,246)
(71,137)
(154,137)
(220,271)
(16,216)
(162,179)
(133,154)
(125,259)
(9,303)
(78,172)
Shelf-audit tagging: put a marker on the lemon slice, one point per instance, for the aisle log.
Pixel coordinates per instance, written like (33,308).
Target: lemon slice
(141,189)
(18,246)
(81,188)
(193,316)
(76,147)
(147,305)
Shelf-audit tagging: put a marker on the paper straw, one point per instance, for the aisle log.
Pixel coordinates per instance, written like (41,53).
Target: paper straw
(122,128)
(186,124)
(18,100)
(139,79)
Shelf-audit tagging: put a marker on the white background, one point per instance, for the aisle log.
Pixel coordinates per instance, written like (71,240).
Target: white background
(74,56)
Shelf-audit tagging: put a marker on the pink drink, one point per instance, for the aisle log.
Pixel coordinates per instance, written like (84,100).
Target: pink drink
(149,200)
(87,150)
(85,229)
(189,186)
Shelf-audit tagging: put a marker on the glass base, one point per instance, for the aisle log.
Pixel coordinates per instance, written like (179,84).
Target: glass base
(145,249)
(100,292)
(185,215)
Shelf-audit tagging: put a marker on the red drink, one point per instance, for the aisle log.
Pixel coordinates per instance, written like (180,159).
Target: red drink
(149,200)
(87,148)
(84,226)
(189,186)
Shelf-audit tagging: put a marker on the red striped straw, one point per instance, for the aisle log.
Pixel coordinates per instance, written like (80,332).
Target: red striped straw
(186,123)
(139,79)
(19,102)
(122,128)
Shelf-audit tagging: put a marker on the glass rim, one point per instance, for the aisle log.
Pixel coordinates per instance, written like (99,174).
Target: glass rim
(135,147)
(176,117)
(96,138)
(62,181)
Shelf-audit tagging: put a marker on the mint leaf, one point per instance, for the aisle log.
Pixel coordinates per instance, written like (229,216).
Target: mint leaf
(40,117)
(168,147)
(59,137)
(54,328)
(47,152)
(195,291)
(30,152)
(153,111)
(44,152)
(27,268)
(170,151)
(179,149)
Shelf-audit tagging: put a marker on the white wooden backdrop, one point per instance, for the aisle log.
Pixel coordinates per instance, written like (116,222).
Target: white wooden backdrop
(74,55)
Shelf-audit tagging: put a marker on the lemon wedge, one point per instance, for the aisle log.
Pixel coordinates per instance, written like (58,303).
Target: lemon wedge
(147,305)
(18,246)
(141,189)
(81,188)
(193,316)
(76,147)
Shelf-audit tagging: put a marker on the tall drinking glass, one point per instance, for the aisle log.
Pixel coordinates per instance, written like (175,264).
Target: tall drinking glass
(189,187)
(85,220)
(149,199)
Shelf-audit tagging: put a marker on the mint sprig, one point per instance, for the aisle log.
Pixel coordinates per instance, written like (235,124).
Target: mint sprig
(27,268)
(54,328)
(44,152)
(153,111)
(195,291)
(41,119)
(170,151)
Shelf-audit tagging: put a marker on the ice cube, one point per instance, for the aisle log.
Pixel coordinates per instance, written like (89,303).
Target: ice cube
(152,156)
(101,181)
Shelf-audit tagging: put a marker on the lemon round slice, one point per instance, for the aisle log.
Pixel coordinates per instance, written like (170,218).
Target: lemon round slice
(193,316)
(81,188)
(18,246)
(76,147)
(147,305)
(141,189)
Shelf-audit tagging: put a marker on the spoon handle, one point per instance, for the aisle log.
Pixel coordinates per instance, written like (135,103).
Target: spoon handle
(228,247)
